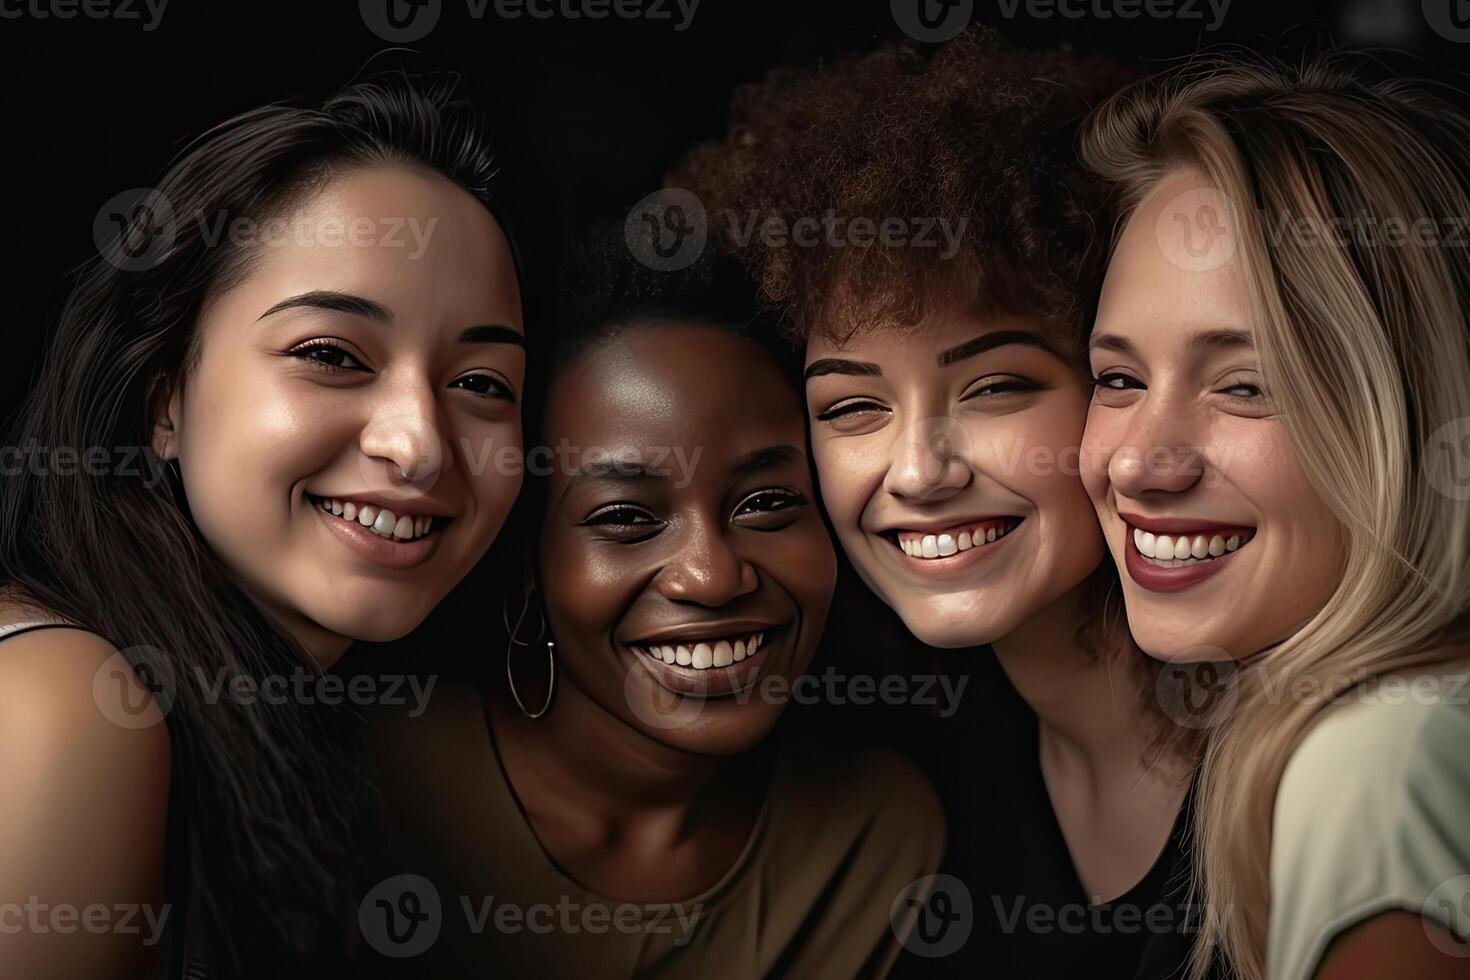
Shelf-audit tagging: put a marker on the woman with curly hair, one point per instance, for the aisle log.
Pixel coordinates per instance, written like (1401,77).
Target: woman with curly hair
(924,227)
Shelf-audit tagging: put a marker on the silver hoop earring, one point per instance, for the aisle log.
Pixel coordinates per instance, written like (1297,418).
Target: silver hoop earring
(516,641)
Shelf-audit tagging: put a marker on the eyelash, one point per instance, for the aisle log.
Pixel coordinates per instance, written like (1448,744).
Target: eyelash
(993,390)
(605,516)
(305,352)
(1102,381)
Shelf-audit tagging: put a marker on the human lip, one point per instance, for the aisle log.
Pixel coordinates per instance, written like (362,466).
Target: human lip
(420,535)
(944,547)
(1172,554)
(707,660)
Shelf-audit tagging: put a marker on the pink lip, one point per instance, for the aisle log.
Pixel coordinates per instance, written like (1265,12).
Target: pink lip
(1181,525)
(375,547)
(949,565)
(402,507)
(711,630)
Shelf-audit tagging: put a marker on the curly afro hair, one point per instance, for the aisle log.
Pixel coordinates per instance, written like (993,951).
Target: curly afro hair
(972,134)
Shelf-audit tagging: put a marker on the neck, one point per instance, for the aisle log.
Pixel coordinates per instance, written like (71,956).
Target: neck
(628,776)
(1088,707)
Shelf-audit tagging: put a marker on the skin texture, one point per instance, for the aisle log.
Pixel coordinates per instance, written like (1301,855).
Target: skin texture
(1394,944)
(414,417)
(1180,428)
(666,802)
(64,764)
(925,445)
(922,439)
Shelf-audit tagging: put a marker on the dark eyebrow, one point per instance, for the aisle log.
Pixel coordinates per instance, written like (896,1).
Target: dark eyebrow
(623,471)
(492,334)
(328,299)
(840,365)
(770,456)
(338,302)
(990,341)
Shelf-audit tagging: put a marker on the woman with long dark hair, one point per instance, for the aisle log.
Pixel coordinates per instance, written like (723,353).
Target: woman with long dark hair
(259,435)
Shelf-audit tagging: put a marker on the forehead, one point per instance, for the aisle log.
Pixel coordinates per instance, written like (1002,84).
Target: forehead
(1177,263)
(675,385)
(940,331)
(408,239)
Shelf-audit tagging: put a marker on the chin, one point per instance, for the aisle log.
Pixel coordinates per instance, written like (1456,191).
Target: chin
(1165,642)
(379,622)
(949,630)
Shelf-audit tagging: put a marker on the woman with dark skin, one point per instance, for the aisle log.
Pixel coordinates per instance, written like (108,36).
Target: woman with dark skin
(684,572)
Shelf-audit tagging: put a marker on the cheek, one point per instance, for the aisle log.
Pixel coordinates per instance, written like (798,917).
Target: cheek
(848,470)
(496,486)
(1098,441)
(1261,464)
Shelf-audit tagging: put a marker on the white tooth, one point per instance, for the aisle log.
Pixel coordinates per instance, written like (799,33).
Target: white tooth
(367,515)
(724,654)
(703,657)
(337,507)
(1138,539)
(349,511)
(683,656)
(1199,547)
(1164,547)
(946,545)
(1148,544)
(964,542)
(1181,547)
(324,504)
(754,644)
(424,523)
(929,546)
(667,654)
(1217,546)
(908,547)
(385,521)
(404,527)
(1233,543)
(989,534)
(739,651)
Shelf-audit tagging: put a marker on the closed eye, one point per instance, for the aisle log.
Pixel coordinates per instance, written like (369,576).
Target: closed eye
(999,387)
(847,409)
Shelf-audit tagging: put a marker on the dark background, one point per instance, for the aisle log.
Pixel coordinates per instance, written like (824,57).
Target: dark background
(591,112)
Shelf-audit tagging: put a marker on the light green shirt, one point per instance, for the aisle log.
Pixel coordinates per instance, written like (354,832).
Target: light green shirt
(1372,815)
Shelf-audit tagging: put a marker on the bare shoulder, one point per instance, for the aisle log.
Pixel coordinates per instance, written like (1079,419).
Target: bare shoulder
(84,783)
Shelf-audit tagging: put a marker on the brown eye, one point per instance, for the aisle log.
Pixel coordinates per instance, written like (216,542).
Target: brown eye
(327,355)
(768,510)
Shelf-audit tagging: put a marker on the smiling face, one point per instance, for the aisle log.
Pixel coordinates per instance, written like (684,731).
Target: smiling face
(948,462)
(1224,544)
(683,561)
(337,438)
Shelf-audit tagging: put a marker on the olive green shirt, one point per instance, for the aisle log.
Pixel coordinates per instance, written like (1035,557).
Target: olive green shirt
(840,838)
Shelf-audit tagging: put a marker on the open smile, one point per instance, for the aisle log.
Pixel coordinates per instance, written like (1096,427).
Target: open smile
(398,540)
(708,661)
(1175,554)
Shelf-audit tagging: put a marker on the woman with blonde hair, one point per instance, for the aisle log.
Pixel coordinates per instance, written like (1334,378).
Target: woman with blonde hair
(1276,450)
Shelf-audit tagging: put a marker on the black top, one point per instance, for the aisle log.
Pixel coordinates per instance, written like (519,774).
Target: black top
(1030,916)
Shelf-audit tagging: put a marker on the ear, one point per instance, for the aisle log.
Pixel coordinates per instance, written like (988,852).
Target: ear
(166,406)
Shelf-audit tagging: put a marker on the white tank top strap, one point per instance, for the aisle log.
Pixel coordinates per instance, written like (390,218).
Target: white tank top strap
(27,625)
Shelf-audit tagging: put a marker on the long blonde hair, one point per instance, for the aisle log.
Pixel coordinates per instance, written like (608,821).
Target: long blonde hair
(1364,346)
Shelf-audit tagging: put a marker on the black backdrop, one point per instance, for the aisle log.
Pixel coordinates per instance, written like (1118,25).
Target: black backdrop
(591,111)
